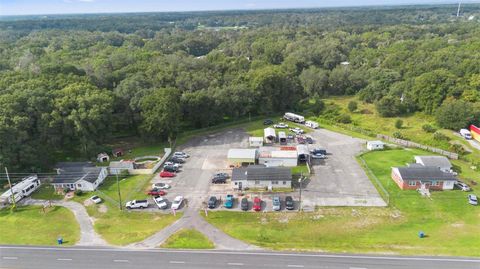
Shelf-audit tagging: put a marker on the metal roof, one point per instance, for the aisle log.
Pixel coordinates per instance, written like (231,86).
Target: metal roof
(424,173)
(261,172)
(437,161)
(242,154)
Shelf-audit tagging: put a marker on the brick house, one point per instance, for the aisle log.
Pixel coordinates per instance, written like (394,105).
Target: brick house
(413,176)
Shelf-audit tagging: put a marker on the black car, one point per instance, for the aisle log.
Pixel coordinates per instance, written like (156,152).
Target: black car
(267,122)
(309,140)
(289,203)
(212,202)
(319,151)
(170,169)
(176,160)
(219,180)
(244,204)
(221,174)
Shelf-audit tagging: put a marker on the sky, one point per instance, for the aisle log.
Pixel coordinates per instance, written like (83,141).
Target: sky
(28,7)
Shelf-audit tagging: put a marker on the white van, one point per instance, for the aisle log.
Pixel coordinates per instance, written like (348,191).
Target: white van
(311,124)
(466,134)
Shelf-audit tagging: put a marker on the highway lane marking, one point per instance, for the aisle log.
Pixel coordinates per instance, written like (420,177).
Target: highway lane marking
(177,262)
(250,253)
(64,259)
(235,263)
(10,258)
(295,266)
(358,268)
(120,260)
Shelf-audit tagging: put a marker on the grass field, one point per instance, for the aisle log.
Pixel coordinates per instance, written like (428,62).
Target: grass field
(124,227)
(28,225)
(450,223)
(46,192)
(188,239)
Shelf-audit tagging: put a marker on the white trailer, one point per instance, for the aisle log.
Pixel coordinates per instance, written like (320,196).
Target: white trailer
(269,135)
(294,117)
(312,124)
(282,138)
(466,134)
(21,190)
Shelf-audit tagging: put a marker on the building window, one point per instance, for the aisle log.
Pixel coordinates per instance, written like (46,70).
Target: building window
(236,183)
(436,183)
(79,185)
(412,183)
(257,182)
(284,183)
(274,182)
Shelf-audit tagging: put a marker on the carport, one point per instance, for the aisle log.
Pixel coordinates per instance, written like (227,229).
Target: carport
(238,157)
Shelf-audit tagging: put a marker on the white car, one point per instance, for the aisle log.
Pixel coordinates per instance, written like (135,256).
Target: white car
(297,131)
(462,186)
(160,202)
(177,165)
(472,199)
(160,186)
(177,202)
(180,154)
(96,199)
(280,125)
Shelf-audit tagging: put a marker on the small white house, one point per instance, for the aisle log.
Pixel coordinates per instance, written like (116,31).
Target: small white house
(375,145)
(79,176)
(103,157)
(255,141)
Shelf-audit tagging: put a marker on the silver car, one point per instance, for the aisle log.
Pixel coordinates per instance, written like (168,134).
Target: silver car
(277,205)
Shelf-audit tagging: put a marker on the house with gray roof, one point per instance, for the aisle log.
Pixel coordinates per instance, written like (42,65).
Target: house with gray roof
(84,176)
(415,176)
(440,162)
(260,176)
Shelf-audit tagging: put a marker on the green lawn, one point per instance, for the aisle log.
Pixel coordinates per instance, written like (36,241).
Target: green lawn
(301,169)
(28,225)
(452,226)
(188,239)
(46,192)
(124,227)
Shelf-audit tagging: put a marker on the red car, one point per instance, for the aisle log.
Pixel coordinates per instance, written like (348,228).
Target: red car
(166,174)
(257,204)
(156,192)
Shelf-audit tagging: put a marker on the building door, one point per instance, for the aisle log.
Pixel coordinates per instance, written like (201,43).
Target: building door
(240,185)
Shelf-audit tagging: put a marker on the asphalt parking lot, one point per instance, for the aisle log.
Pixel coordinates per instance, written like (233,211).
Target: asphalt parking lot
(339,180)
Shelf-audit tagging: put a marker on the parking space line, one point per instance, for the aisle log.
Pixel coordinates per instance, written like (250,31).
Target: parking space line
(295,266)
(235,263)
(10,258)
(177,262)
(64,259)
(120,260)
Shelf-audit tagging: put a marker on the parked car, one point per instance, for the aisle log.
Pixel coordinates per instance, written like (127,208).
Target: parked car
(172,164)
(297,131)
(300,140)
(160,186)
(219,179)
(466,134)
(462,186)
(276,204)
(96,199)
(170,169)
(318,156)
(221,174)
(280,125)
(472,199)
(244,204)
(176,160)
(166,174)
(177,202)
(180,154)
(318,150)
(212,202)
(134,204)
(290,137)
(267,122)
(309,139)
(257,204)
(289,204)
(161,202)
(228,201)
(156,192)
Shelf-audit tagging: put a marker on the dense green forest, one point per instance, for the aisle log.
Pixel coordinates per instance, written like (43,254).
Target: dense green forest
(70,83)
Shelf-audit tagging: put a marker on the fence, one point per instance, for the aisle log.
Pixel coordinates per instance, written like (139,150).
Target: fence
(376,182)
(410,144)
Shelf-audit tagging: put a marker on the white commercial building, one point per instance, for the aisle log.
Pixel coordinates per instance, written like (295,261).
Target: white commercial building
(273,156)
(238,157)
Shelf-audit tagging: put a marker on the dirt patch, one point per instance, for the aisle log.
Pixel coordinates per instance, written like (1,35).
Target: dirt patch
(88,202)
(458,224)
(102,208)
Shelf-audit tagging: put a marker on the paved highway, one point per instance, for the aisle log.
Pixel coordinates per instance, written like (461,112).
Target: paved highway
(26,257)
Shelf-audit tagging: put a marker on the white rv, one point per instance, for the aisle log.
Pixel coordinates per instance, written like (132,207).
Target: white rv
(21,190)
(311,124)
(294,117)
(466,134)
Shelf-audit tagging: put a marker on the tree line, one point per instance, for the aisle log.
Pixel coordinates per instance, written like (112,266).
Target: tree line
(69,84)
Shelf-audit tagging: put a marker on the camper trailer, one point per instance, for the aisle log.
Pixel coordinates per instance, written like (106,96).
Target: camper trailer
(311,124)
(21,190)
(294,117)
(282,138)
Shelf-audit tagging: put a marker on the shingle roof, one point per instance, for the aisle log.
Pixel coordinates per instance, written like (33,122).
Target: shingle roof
(437,161)
(260,172)
(71,172)
(424,173)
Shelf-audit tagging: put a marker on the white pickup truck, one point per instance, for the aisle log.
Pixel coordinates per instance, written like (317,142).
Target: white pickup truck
(134,204)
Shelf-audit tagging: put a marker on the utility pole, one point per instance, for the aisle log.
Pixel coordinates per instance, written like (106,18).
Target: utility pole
(119,196)
(300,200)
(458,10)
(12,196)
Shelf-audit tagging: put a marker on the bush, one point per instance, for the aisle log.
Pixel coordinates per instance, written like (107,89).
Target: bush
(344,118)
(389,106)
(352,106)
(440,137)
(457,148)
(399,135)
(399,124)
(429,128)
(78,192)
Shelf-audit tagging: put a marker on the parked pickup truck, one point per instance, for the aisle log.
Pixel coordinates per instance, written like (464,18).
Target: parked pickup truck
(134,204)
(228,201)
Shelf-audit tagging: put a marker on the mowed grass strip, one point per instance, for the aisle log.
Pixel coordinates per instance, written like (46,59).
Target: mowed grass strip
(188,239)
(46,192)
(452,226)
(125,227)
(28,225)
